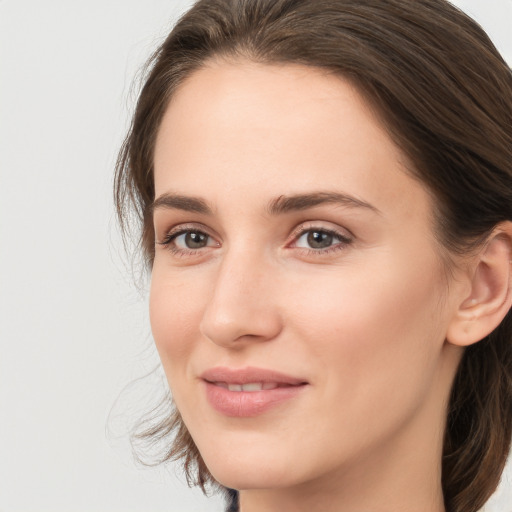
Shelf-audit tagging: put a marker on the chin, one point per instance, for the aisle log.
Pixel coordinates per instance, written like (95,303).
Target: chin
(255,468)
(249,476)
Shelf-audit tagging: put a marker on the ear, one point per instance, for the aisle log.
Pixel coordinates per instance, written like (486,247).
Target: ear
(490,297)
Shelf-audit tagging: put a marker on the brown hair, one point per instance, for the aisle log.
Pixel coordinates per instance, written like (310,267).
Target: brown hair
(445,96)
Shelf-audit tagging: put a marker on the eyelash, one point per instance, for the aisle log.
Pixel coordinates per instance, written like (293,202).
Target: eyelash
(344,241)
(168,241)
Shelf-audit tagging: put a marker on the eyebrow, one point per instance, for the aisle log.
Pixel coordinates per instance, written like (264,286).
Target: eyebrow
(284,204)
(180,202)
(278,206)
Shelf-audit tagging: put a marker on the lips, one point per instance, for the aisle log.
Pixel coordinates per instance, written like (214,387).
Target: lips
(250,386)
(249,391)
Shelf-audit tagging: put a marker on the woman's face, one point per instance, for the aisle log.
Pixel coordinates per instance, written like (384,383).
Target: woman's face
(295,255)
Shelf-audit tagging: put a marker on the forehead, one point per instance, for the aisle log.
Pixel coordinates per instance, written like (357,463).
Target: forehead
(245,100)
(241,127)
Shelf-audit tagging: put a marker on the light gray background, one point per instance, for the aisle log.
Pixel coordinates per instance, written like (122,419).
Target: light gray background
(73,328)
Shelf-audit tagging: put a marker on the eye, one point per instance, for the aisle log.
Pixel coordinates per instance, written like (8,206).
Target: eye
(315,239)
(185,241)
(320,240)
(191,240)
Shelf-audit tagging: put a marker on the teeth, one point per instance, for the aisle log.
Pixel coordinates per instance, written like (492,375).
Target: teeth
(253,386)
(250,386)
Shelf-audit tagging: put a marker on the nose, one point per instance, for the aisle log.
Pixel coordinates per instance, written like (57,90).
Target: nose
(243,305)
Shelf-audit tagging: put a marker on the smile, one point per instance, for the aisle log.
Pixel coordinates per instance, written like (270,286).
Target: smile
(249,392)
(251,386)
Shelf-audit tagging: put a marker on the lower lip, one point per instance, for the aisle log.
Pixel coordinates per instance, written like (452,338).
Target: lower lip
(243,404)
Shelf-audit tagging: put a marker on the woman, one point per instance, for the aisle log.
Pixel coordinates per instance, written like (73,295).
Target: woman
(325,196)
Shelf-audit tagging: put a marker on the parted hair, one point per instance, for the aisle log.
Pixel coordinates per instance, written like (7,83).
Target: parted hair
(444,94)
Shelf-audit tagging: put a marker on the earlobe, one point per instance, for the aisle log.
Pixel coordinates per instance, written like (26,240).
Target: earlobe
(490,297)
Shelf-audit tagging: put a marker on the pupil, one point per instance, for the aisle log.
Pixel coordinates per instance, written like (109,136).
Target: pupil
(319,240)
(195,240)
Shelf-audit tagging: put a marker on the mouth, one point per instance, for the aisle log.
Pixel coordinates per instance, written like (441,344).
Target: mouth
(250,391)
(251,387)
(249,376)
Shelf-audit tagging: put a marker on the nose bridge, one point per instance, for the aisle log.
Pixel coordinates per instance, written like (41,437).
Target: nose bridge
(242,305)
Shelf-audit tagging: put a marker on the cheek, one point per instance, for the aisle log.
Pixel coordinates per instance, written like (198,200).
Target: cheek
(374,330)
(175,308)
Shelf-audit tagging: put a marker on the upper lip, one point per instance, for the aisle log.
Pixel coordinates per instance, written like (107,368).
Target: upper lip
(248,375)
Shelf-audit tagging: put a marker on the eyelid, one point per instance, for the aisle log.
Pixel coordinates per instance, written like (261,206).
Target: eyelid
(344,236)
(304,227)
(168,241)
(179,229)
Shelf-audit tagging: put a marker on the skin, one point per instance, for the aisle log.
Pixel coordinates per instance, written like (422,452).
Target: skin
(363,320)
